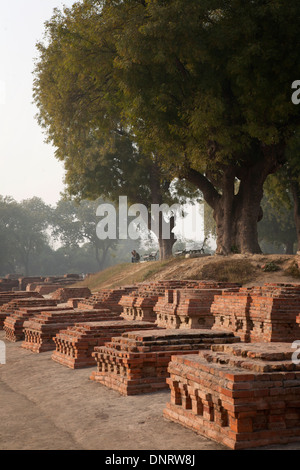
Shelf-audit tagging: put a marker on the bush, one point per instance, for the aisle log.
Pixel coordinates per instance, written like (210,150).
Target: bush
(270,267)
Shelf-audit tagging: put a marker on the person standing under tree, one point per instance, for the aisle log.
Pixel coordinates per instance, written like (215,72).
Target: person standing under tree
(135,257)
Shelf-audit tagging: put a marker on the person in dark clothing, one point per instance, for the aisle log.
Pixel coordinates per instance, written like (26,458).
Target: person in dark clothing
(135,257)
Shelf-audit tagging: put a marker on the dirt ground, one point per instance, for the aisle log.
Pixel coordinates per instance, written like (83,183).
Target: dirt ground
(45,406)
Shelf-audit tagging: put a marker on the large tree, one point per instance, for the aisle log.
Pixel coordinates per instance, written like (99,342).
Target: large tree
(23,227)
(74,223)
(214,93)
(81,110)
(209,98)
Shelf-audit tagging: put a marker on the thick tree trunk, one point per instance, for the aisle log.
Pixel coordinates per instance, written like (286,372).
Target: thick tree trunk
(295,186)
(289,247)
(249,212)
(224,216)
(237,215)
(165,244)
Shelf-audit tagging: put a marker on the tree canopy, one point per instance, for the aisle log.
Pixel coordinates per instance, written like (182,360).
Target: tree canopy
(207,99)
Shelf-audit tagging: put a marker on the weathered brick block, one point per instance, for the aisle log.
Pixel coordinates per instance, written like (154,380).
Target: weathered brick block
(40,330)
(18,300)
(256,314)
(241,395)
(63,294)
(189,307)
(75,345)
(106,298)
(137,362)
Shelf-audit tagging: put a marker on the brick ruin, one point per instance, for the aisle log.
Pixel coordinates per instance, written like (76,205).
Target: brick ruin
(43,285)
(137,362)
(241,395)
(259,314)
(190,306)
(63,294)
(223,350)
(107,298)
(12,302)
(14,323)
(268,317)
(75,345)
(40,330)
(141,304)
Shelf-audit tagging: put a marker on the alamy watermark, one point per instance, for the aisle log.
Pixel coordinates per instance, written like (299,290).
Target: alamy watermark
(116,224)
(296,354)
(2,353)
(296,94)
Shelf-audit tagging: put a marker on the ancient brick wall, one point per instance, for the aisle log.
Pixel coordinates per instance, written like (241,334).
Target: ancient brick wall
(239,395)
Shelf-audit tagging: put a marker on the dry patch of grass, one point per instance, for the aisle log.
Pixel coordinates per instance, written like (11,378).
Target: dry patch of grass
(238,271)
(124,274)
(236,268)
(292,270)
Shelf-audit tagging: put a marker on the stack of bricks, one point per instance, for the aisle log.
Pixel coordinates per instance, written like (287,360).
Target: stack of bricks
(17,301)
(140,304)
(45,289)
(259,314)
(14,324)
(24,281)
(137,362)
(74,346)
(190,307)
(107,298)
(63,294)
(8,284)
(51,284)
(40,330)
(6,297)
(243,396)
(74,302)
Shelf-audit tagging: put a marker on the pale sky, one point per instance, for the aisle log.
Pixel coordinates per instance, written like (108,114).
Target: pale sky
(27,165)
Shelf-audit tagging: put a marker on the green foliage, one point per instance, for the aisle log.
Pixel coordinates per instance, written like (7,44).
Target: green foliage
(278,225)
(130,93)
(219,79)
(75,223)
(29,230)
(270,267)
(23,231)
(205,86)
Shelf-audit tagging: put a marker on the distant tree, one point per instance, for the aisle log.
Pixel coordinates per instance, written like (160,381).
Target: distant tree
(74,223)
(80,108)
(24,230)
(278,226)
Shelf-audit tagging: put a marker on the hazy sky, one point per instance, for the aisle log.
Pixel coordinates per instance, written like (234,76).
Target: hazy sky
(27,165)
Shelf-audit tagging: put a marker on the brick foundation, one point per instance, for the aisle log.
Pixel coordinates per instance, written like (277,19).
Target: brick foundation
(40,330)
(151,300)
(19,301)
(259,314)
(14,324)
(189,308)
(74,346)
(63,294)
(107,298)
(240,395)
(137,362)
